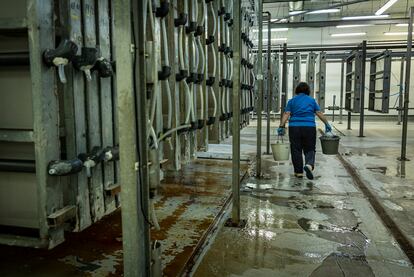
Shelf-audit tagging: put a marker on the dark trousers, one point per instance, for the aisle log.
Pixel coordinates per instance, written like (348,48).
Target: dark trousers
(302,139)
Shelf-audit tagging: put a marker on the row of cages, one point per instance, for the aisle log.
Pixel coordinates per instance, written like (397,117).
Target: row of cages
(316,76)
(59,154)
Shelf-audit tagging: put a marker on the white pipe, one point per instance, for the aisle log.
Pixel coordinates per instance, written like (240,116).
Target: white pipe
(154,136)
(223,101)
(169,103)
(202,55)
(181,48)
(214,59)
(188,110)
(214,18)
(173,130)
(165,42)
(214,101)
(201,102)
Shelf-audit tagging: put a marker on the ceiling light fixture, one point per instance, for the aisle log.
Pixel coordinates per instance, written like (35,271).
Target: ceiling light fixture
(385,7)
(352,26)
(366,17)
(402,25)
(349,34)
(273,30)
(324,11)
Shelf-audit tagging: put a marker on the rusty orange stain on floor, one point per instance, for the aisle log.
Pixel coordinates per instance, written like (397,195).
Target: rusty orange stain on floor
(203,184)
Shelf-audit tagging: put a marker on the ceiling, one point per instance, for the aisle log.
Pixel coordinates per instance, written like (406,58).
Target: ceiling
(299,36)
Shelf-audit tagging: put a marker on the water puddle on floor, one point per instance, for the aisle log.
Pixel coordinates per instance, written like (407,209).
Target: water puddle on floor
(350,258)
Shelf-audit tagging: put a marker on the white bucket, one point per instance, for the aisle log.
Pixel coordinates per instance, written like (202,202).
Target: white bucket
(280,151)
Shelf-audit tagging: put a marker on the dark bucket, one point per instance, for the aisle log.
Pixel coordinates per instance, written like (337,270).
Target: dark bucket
(330,145)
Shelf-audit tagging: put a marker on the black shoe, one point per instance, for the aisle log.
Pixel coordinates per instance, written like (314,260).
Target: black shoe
(308,170)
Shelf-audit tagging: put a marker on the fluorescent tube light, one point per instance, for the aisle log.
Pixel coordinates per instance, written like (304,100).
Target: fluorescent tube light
(273,30)
(324,11)
(352,26)
(402,25)
(296,12)
(273,39)
(366,17)
(385,7)
(396,33)
(349,34)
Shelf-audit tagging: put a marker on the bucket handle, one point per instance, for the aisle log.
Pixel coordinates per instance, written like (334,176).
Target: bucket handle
(279,137)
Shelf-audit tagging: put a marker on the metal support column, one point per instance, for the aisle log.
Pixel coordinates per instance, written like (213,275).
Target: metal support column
(349,121)
(269,83)
(236,112)
(135,231)
(284,79)
(341,98)
(407,87)
(362,89)
(259,92)
(401,93)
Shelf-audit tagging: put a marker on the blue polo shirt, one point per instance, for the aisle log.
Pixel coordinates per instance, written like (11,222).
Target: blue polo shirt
(302,110)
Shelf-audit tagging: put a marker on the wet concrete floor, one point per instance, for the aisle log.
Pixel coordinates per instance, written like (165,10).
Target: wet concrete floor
(297,227)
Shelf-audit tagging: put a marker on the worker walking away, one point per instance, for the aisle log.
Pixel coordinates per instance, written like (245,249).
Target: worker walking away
(300,111)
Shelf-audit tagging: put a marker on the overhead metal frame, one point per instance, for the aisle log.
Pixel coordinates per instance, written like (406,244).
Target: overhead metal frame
(310,71)
(333,23)
(275,83)
(296,71)
(379,82)
(353,82)
(403,156)
(320,80)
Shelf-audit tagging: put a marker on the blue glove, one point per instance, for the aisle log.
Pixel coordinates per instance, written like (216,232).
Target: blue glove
(328,128)
(281,131)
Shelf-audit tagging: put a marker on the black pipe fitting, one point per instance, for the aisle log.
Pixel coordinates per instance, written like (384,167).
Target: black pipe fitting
(229,84)
(223,117)
(211,120)
(111,153)
(227,16)
(181,75)
(192,78)
(104,68)
(199,31)
(163,10)
(243,36)
(64,167)
(209,1)
(200,78)
(230,23)
(229,115)
(210,81)
(193,126)
(221,11)
(222,47)
(66,49)
(210,40)
(181,20)
(191,28)
(223,83)
(200,124)
(164,73)
(227,50)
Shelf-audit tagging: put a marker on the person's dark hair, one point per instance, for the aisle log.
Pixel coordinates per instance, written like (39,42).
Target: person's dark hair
(302,87)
